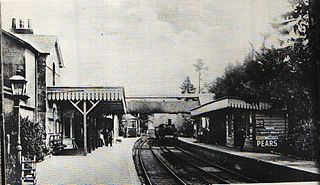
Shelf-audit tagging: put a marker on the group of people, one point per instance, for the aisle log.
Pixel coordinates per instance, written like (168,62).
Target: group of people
(106,137)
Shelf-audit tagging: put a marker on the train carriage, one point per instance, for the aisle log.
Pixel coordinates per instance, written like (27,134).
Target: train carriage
(131,126)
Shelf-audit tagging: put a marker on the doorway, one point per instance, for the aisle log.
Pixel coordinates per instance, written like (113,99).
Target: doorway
(240,121)
(67,129)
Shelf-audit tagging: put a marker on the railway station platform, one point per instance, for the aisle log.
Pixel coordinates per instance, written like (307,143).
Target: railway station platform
(275,162)
(105,165)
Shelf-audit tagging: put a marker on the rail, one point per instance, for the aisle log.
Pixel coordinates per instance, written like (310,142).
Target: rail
(142,163)
(247,179)
(174,174)
(215,177)
(226,171)
(145,172)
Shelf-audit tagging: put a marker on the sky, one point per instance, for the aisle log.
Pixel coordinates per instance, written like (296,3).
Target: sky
(149,46)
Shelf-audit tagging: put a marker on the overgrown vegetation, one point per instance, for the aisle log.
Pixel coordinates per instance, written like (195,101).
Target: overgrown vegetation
(32,139)
(185,125)
(32,142)
(285,76)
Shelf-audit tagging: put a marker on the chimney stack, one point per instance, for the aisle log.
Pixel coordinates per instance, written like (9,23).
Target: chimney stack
(21,29)
(29,23)
(14,23)
(21,23)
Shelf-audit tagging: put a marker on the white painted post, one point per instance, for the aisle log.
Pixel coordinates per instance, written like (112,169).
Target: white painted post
(71,127)
(115,127)
(85,127)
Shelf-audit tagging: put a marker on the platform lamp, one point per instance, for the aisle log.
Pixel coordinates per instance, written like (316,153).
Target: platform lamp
(18,85)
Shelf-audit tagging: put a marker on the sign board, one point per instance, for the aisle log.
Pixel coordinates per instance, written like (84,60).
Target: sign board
(259,123)
(270,143)
(267,137)
(269,128)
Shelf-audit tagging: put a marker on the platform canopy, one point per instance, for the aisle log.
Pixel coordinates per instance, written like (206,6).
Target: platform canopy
(228,102)
(107,100)
(113,97)
(86,93)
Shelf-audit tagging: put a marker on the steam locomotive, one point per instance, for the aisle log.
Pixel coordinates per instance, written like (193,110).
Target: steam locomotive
(165,131)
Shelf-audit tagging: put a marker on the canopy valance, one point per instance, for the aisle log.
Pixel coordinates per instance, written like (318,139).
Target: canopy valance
(85,93)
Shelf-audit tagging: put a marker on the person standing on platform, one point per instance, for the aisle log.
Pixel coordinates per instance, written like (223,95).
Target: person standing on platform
(206,135)
(105,137)
(242,138)
(102,137)
(110,137)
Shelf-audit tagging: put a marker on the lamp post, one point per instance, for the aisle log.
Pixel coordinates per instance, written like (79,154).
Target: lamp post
(18,85)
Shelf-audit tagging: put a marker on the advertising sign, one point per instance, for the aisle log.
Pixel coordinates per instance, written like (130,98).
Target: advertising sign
(267,143)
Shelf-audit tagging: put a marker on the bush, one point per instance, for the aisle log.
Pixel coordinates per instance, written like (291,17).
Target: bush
(185,126)
(32,138)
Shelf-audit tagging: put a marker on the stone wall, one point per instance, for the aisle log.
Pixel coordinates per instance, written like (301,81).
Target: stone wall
(13,58)
(41,88)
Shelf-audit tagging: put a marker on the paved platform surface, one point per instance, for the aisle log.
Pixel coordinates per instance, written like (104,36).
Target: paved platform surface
(309,166)
(105,165)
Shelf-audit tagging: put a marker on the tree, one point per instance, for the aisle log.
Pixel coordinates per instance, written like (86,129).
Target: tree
(199,66)
(315,46)
(188,129)
(298,25)
(187,86)
(284,76)
(295,25)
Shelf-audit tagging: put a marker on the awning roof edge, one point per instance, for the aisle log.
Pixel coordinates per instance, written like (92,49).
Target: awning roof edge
(228,102)
(86,93)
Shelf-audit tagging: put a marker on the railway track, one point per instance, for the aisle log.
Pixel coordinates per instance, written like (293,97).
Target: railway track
(154,170)
(221,174)
(173,165)
(186,171)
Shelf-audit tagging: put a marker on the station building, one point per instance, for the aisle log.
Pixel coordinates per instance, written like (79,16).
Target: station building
(68,114)
(39,59)
(227,120)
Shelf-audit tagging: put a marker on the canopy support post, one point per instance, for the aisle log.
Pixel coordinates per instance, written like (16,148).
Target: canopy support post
(84,113)
(85,145)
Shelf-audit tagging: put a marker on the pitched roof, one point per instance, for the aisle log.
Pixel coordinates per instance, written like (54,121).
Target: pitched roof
(41,43)
(228,102)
